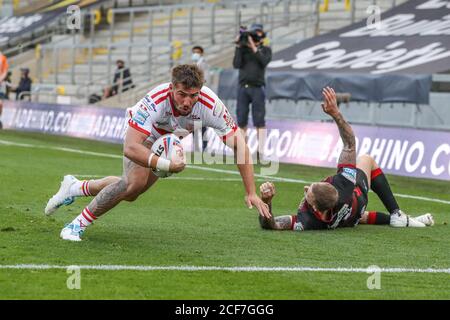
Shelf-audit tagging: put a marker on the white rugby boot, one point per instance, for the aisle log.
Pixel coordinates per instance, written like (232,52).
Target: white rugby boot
(400,220)
(62,197)
(71,232)
(427,219)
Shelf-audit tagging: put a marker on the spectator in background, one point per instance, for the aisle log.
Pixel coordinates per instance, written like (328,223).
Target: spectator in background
(3,88)
(122,80)
(251,57)
(23,89)
(199,59)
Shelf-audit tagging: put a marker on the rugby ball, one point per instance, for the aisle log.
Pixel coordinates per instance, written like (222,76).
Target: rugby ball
(168,147)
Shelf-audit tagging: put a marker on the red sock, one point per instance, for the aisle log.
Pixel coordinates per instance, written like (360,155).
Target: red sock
(375,217)
(85,218)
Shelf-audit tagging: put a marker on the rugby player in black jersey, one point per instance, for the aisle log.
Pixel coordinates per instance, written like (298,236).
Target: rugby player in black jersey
(341,200)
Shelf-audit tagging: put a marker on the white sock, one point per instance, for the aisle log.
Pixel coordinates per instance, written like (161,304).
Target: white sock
(85,219)
(80,189)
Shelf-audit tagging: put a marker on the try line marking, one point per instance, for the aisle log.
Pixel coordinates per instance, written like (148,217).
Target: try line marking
(370,269)
(272,178)
(93,176)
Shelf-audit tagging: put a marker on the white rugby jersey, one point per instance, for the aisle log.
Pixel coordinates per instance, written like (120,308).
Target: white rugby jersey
(155,114)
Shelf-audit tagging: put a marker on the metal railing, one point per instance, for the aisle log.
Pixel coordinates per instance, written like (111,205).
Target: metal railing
(159,27)
(149,33)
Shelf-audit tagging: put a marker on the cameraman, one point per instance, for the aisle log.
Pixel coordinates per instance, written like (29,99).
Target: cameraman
(251,58)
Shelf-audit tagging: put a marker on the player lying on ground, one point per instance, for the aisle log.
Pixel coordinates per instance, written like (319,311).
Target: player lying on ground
(170,107)
(307,220)
(341,200)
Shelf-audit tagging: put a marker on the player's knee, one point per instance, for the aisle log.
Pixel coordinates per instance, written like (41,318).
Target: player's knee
(366,158)
(113,179)
(134,190)
(132,197)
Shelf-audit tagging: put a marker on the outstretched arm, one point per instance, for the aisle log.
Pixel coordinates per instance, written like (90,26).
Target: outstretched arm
(267,190)
(329,106)
(245,166)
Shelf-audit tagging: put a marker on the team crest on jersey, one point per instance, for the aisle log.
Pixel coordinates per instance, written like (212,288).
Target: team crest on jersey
(349,174)
(218,108)
(194,117)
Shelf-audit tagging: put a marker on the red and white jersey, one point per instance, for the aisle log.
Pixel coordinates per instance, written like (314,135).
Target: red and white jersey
(155,114)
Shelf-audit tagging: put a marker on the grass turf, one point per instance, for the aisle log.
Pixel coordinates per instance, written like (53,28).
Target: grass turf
(201,223)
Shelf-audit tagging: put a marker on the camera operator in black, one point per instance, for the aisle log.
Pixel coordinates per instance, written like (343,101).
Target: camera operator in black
(251,58)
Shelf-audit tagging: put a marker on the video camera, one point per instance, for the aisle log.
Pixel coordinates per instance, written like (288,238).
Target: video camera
(252,32)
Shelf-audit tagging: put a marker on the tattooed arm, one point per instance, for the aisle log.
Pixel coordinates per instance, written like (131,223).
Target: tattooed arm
(245,166)
(267,190)
(276,223)
(329,106)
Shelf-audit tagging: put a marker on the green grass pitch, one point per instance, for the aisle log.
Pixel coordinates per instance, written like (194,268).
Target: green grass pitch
(187,221)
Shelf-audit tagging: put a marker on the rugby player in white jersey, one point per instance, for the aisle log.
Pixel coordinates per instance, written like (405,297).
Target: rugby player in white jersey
(170,107)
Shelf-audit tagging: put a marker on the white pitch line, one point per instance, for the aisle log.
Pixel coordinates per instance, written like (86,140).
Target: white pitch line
(273,178)
(25,145)
(172,178)
(256,175)
(399,195)
(217,268)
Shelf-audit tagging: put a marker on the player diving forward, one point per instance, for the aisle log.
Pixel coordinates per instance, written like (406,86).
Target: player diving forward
(170,107)
(341,200)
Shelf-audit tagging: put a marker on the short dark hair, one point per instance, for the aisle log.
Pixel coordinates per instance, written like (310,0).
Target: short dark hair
(198,48)
(325,196)
(189,75)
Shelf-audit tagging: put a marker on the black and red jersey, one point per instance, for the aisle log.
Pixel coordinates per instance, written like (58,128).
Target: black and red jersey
(352,201)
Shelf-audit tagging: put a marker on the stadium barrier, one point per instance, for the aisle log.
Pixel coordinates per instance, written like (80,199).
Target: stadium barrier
(400,151)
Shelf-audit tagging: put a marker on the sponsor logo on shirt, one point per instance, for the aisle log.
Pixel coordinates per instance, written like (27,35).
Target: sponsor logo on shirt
(149,103)
(218,108)
(141,115)
(349,174)
(345,212)
(228,119)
